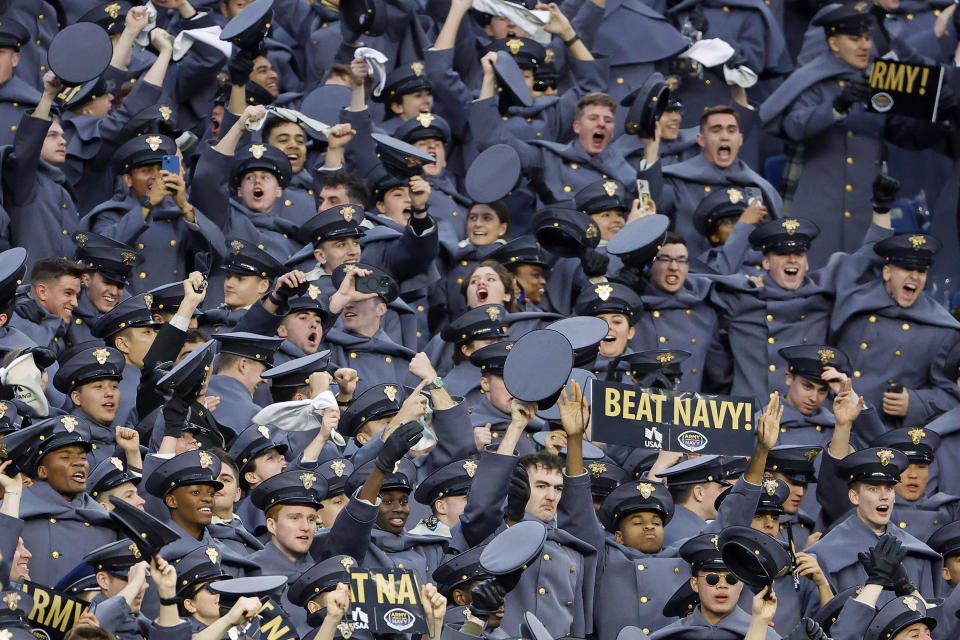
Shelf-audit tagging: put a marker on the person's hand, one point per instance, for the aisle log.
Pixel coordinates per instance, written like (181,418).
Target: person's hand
(812,539)
(521,413)
(347,291)
(330,421)
(640,210)
(420,366)
(137,574)
(174,185)
(244,610)
(902,584)
(87,620)
(419,194)
(555,441)
(340,135)
(191,295)
(397,445)
(239,67)
(885,190)
(765,604)
(738,59)
(488,61)
(594,263)
(157,190)
(319,381)
(414,406)
(559,24)
(211,402)
(12,485)
(487,598)
(252,113)
(807,629)
(847,405)
(853,92)
(834,378)
(338,602)
(574,410)
(174,414)
(808,566)
(518,494)
(754,213)
(51,83)
(359,73)
(434,608)
(289,285)
(768,424)
(896,403)
(161,40)
(127,439)
(136,19)
(882,561)
(482,436)
(461,6)
(164,576)
(346,379)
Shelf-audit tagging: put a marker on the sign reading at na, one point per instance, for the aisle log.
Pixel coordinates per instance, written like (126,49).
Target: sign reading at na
(660,419)
(385,601)
(905,89)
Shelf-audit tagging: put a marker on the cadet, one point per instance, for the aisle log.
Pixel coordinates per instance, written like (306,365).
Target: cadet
(226,526)
(445,492)
(793,466)
(319,590)
(470,331)
(406,93)
(524,259)
(12,271)
(620,307)
(248,275)
(905,616)
(946,542)
(195,571)
(243,357)
(897,337)
(335,472)
(122,577)
(456,579)
(676,144)
(111,478)
(14,92)
(726,220)
(290,138)
(44,312)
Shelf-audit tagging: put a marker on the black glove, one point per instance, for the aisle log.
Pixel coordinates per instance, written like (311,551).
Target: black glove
(630,277)
(175,412)
(285,292)
(853,91)
(882,561)
(240,67)
(807,629)
(902,586)
(594,263)
(42,356)
(518,493)
(508,581)
(487,598)
(698,20)
(397,445)
(885,190)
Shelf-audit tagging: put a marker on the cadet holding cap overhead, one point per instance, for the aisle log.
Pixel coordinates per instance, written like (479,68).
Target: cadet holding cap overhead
(620,307)
(243,357)
(727,220)
(123,581)
(676,144)
(14,91)
(247,274)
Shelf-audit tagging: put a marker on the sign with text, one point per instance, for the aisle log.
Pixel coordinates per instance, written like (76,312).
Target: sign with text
(905,89)
(53,613)
(275,624)
(660,419)
(386,601)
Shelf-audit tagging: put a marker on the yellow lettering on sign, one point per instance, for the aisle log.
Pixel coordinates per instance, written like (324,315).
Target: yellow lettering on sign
(358,581)
(658,399)
(59,613)
(40,601)
(386,589)
(912,73)
(877,74)
(629,402)
(406,594)
(735,409)
(681,411)
(611,405)
(717,412)
(272,629)
(895,77)
(701,418)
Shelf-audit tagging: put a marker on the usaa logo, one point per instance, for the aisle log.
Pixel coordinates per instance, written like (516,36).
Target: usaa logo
(692,440)
(399,619)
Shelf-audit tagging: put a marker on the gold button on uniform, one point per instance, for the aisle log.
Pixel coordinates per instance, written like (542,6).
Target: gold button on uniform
(643,599)
(872,318)
(769,318)
(849,187)
(656,314)
(55,555)
(541,591)
(773,367)
(388,359)
(905,326)
(619,80)
(849,160)
(903,525)
(847,214)
(640,567)
(856,374)
(663,338)
(771,340)
(897,353)
(567,188)
(546,557)
(863,345)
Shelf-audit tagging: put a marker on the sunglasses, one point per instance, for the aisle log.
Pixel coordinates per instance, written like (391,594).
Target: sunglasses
(713,579)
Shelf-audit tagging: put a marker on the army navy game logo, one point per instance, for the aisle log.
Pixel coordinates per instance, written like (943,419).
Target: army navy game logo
(692,440)
(399,619)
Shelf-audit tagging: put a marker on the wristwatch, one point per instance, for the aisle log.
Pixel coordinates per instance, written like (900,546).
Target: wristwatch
(436,384)
(146,204)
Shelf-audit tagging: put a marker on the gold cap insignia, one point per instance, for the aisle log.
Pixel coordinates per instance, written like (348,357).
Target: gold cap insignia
(508,346)
(3,409)
(347,212)
(12,600)
(514,45)
(603,291)
(69,423)
(165,111)
(597,469)
(257,150)
(860,7)
(665,358)
(811,454)
(135,550)
(770,486)
(349,268)
(826,355)
(148,300)
(212,554)
(112,10)
(307,480)
(313,291)
(645,489)
(734,195)
(714,540)
(338,467)
(417,68)
(3,450)
(548,56)
(917,435)
(346,562)
(80,239)
(470,466)
(128,257)
(391,392)
(396,467)
(264,431)
(610,187)
(885,456)
(591,231)
(917,241)
(493,313)
(205,459)
(116,462)
(790,225)
(426,119)
(236,246)
(911,603)
(101,355)
(153,142)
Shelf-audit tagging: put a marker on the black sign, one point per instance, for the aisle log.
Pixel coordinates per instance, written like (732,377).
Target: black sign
(274,623)
(905,89)
(659,419)
(386,601)
(53,613)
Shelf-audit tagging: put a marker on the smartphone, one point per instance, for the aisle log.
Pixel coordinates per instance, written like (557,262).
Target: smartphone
(895,387)
(643,192)
(171,164)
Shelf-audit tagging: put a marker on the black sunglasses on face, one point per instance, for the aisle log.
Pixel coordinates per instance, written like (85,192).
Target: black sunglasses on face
(713,579)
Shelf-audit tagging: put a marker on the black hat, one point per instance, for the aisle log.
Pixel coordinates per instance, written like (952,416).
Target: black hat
(513,548)
(452,479)
(794,461)
(404,79)
(493,174)
(531,628)
(720,204)
(10,419)
(639,241)
(253,442)
(773,494)
(364,17)
(115,557)
(602,195)
(528,53)
(380,401)
(21,446)
(403,478)
(897,615)
(246,259)
(130,313)
(683,601)
(13,268)
(753,556)
(849,19)
(381,181)
(148,534)
(946,539)
(486,322)
(86,364)
(256,587)
(784,235)
(379,282)
(300,488)
(186,377)
(157,118)
(297,372)
(491,358)
(64,435)
(809,360)
(167,297)
(260,157)
(401,160)
(604,478)
(109,474)
(639,461)
(646,104)
(144,150)
(249,27)
(696,471)
(829,612)
(336,472)
(320,578)
(631,497)
(662,361)
(108,15)
(609,297)
(584,333)
(585,379)
(200,565)
(423,126)
(79,53)
(919,444)
(460,569)
(912,252)
(75,96)
(873,466)
(81,579)
(184,469)
(341,221)
(511,84)
(13,35)
(249,345)
(564,231)
(702,552)
(538,366)
(111,259)
(522,250)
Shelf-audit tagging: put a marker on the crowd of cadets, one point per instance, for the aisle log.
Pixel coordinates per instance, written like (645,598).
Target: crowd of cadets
(289,345)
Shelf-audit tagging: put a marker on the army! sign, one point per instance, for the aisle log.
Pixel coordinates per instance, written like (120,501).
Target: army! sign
(905,89)
(385,601)
(53,613)
(661,419)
